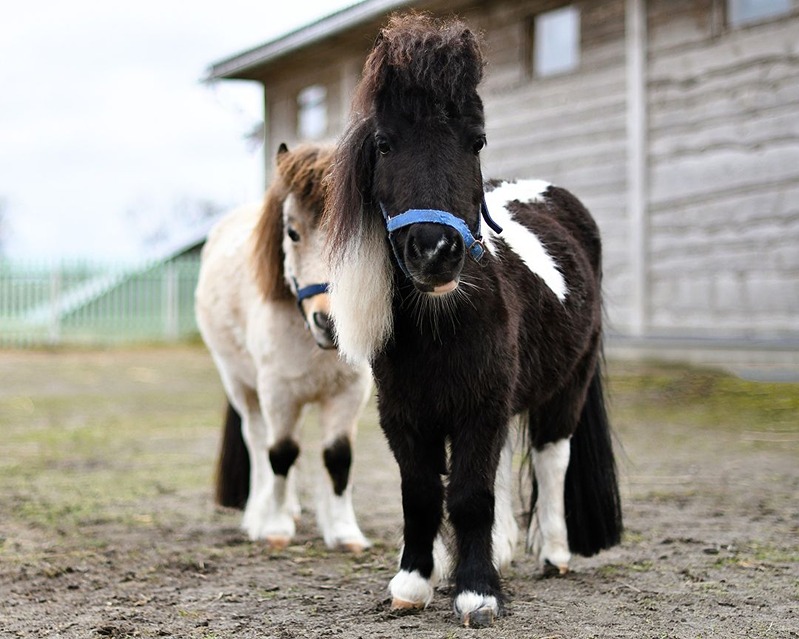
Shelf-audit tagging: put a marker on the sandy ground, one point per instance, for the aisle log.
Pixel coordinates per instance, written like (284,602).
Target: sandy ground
(711,546)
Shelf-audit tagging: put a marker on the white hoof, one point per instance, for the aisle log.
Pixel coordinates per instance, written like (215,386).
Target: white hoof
(549,553)
(410,590)
(476,611)
(336,520)
(348,538)
(263,523)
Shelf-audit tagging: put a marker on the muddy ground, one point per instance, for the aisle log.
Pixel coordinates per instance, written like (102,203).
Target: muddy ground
(107,526)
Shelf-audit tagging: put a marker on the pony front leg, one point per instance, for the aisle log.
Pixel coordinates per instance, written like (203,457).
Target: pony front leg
(422,507)
(470,499)
(335,513)
(547,537)
(272,506)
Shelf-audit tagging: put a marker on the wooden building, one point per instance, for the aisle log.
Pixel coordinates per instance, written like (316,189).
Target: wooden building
(675,121)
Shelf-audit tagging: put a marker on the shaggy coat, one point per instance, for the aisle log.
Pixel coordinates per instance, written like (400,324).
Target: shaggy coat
(462,350)
(274,360)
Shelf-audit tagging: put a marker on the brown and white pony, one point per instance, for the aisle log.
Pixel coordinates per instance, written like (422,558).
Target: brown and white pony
(468,335)
(260,262)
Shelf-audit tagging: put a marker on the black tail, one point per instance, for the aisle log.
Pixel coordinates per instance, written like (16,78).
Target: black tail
(593,505)
(233,469)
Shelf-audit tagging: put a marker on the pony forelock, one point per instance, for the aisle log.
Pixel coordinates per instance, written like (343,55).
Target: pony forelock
(417,55)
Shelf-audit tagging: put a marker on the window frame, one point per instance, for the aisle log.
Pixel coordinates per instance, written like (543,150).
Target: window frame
(734,22)
(533,38)
(309,105)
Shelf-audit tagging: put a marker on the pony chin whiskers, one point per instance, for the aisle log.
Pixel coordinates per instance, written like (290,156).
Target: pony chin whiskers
(431,311)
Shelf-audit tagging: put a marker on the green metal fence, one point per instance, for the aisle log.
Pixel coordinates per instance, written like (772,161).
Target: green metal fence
(91,304)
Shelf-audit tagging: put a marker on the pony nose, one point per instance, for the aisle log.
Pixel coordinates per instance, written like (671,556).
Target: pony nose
(436,249)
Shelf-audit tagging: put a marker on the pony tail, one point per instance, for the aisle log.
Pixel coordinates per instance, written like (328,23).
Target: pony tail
(233,467)
(361,271)
(593,504)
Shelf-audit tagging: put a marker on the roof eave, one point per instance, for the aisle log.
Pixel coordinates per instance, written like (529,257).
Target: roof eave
(242,65)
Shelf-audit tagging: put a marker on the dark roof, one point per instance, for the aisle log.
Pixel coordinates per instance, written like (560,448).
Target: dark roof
(241,66)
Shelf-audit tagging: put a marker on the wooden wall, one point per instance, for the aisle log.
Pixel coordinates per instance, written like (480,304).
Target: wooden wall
(722,249)
(723,173)
(568,129)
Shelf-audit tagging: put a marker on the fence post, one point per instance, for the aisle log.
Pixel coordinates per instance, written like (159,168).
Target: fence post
(55,304)
(171,301)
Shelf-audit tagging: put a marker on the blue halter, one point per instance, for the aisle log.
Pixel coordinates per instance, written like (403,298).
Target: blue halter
(308,291)
(474,243)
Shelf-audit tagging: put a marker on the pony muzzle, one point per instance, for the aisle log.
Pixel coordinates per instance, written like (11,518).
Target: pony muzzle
(313,302)
(430,247)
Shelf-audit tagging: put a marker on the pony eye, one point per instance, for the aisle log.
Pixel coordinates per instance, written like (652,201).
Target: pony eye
(383,146)
(479,143)
(293,235)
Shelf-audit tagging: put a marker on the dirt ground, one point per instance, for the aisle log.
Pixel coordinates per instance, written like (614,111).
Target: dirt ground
(107,526)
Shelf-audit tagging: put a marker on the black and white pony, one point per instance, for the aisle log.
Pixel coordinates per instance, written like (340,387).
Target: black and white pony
(468,334)
(259,264)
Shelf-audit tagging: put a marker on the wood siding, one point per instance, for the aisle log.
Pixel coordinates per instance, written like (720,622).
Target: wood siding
(724,173)
(568,129)
(721,231)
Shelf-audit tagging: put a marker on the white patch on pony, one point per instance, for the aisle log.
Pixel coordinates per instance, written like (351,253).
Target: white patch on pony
(519,239)
(411,588)
(505,533)
(360,295)
(548,537)
(440,245)
(269,514)
(468,602)
(442,561)
(336,518)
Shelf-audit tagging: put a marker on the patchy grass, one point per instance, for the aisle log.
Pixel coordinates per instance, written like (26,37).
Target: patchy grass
(106,468)
(700,397)
(93,437)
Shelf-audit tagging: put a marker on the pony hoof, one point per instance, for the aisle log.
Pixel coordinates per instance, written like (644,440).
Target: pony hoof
(406,606)
(353,547)
(476,611)
(277,542)
(481,618)
(552,569)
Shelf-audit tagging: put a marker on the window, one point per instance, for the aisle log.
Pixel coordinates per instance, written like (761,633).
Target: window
(312,112)
(556,41)
(743,12)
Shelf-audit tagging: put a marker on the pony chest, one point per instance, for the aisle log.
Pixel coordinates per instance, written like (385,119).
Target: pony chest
(446,384)
(279,342)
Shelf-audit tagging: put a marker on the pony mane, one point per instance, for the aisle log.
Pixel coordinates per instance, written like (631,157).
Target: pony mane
(419,66)
(300,172)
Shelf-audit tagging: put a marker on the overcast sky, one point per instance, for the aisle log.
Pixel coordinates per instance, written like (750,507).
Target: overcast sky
(105,125)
